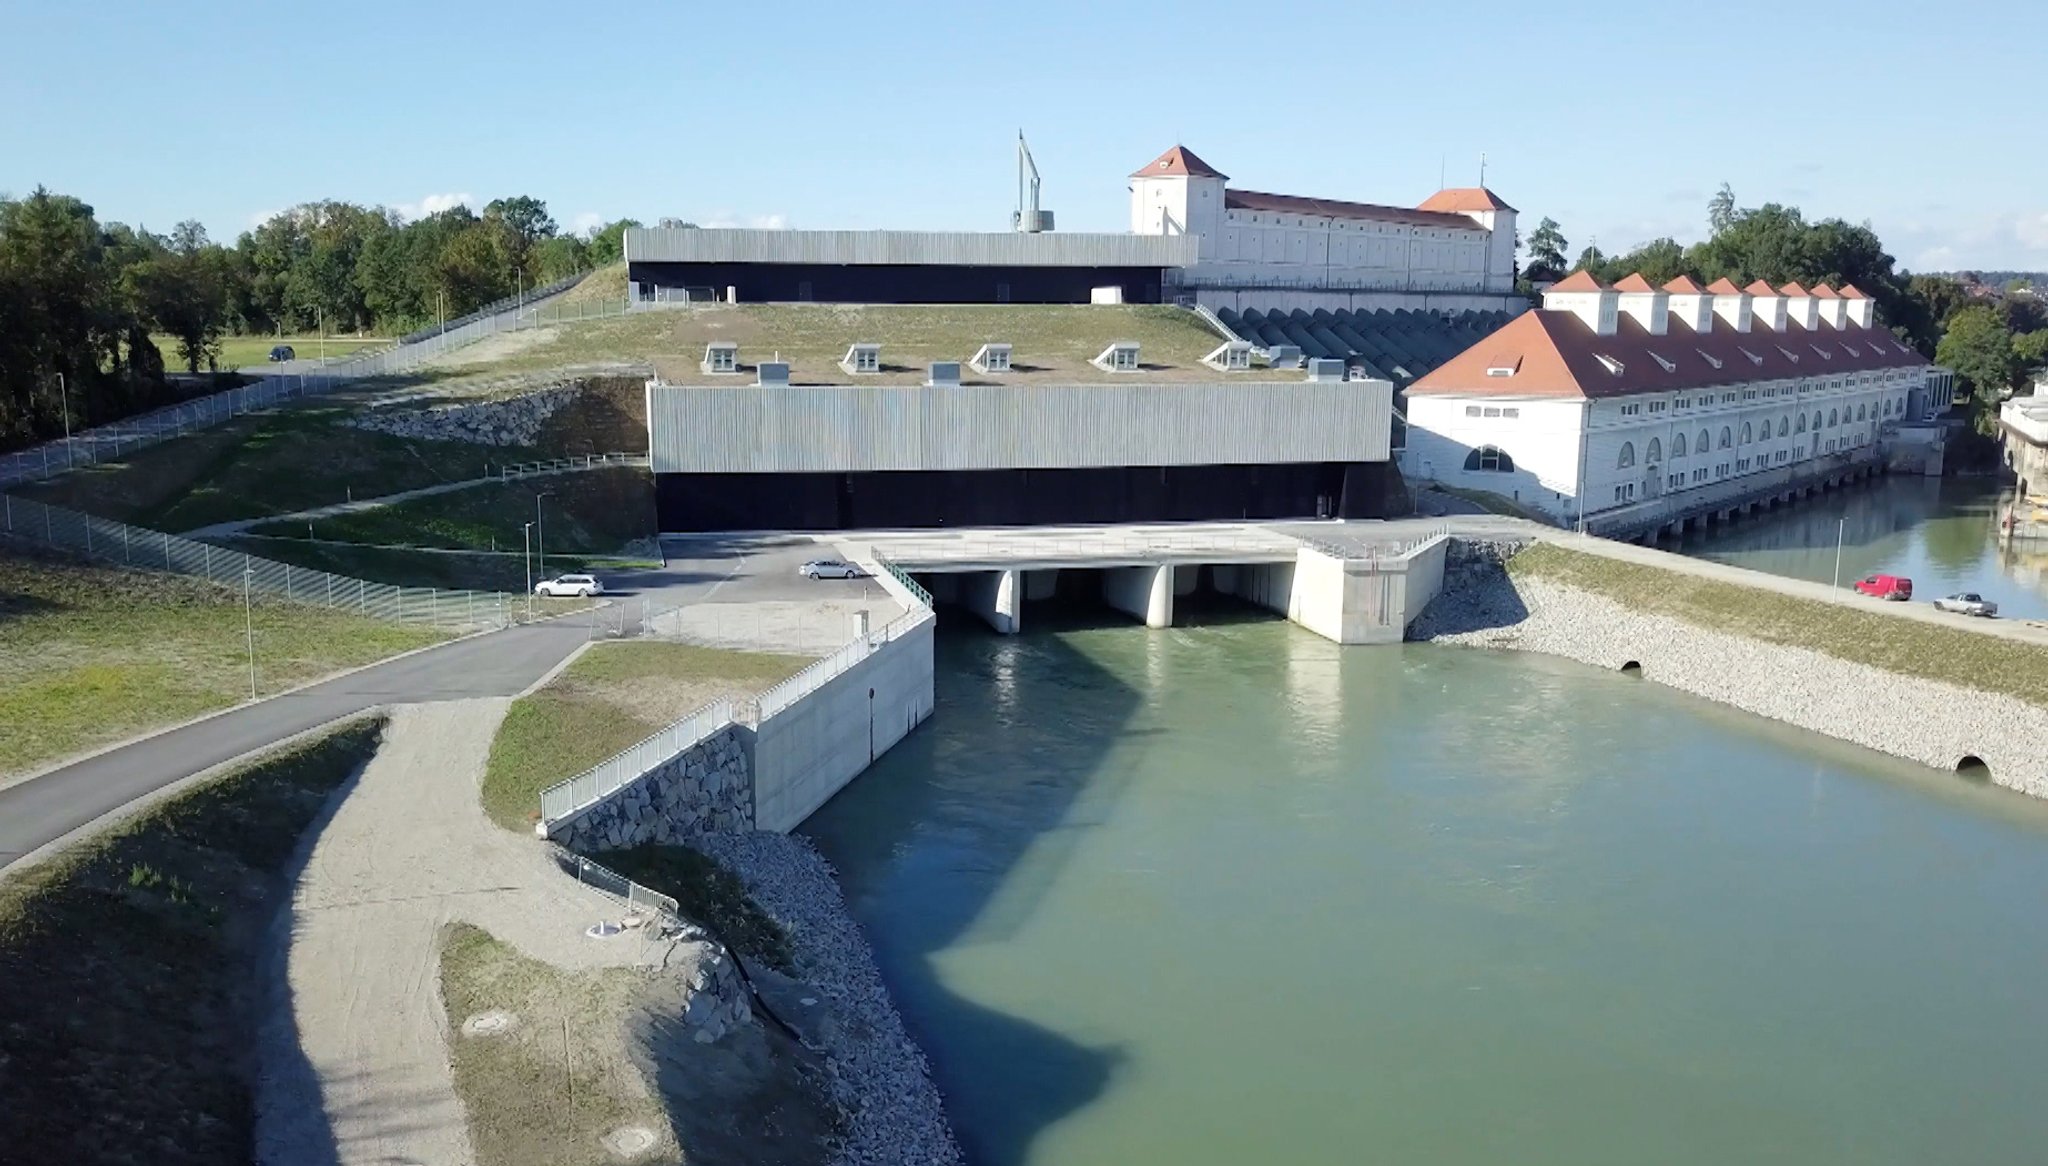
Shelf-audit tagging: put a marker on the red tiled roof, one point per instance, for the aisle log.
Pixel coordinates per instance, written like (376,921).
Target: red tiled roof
(1633,282)
(1464,198)
(1288,204)
(1178,162)
(1851,292)
(1560,357)
(1724,287)
(1793,289)
(1684,285)
(1578,281)
(1760,288)
(1821,291)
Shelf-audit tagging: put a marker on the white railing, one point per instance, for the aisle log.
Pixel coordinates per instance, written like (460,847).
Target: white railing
(116,440)
(616,885)
(607,777)
(563,465)
(1372,548)
(117,543)
(1108,545)
(817,674)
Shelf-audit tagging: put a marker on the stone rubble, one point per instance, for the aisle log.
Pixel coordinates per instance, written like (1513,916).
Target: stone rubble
(1926,721)
(707,788)
(507,421)
(880,1078)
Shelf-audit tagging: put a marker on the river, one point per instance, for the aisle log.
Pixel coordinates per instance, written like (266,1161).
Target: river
(1938,532)
(1229,893)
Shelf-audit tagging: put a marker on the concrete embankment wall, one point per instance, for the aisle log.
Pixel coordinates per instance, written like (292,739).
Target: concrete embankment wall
(1927,721)
(707,788)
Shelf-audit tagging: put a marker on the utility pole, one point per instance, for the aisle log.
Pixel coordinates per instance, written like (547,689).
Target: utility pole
(527,529)
(249,627)
(320,314)
(64,394)
(1841,529)
(540,540)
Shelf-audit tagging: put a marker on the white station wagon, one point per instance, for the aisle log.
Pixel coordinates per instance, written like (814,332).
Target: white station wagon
(561,586)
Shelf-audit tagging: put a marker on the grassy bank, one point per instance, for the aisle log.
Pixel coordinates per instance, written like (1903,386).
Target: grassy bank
(131,961)
(1910,647)
(89,656)
(612,696)
(710,894)
(594,512)
(402,567)
(245,351)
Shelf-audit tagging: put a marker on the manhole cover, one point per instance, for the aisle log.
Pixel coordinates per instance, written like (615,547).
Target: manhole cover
(489,1024)
(630,1141)
(604,930)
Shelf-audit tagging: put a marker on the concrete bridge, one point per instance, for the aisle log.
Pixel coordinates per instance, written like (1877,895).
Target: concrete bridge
(1352,582)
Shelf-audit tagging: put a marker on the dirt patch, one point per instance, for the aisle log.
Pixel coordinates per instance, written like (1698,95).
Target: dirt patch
(494,349)
(608,416)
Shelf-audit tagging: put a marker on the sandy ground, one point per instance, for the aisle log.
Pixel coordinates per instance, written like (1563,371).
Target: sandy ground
(355,1056)
(497,346)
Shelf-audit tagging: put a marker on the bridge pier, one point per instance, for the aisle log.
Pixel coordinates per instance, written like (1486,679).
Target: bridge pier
(1144,592)
(998,598)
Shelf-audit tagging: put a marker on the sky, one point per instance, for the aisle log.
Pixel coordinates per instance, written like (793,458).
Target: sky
(1617,120)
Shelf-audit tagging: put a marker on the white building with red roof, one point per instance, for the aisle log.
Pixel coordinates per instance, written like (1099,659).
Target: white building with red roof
(1633,406)
(1453,252)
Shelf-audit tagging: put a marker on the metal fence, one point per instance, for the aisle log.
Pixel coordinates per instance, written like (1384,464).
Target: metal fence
(616,885)
(104,540)
(563,465)
(543,315)
(517,302)
(118,439)
(607,777)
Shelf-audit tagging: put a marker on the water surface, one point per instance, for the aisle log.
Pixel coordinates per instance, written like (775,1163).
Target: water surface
(1233,894)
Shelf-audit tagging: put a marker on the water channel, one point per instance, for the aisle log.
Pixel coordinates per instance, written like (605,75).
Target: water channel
(1228,893)
(1937,532)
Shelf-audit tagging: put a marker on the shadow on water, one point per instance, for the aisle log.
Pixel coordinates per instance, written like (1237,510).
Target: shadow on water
(926,847)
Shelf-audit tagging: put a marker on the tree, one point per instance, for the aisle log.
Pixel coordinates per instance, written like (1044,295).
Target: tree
(1546,252)
(1593,261)
(526,222)
(1660,261)
(608,243)
(2030,349)
(1721,212)
(1980,350)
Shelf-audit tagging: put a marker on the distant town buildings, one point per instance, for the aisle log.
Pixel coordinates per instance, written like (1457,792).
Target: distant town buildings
(1634,399)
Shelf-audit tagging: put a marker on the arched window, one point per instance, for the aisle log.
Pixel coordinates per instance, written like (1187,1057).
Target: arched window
(1747,433)
(1834,418)
(1727,437)
(1816,421)
(1490,458)
(1861,412)
(1678,446)
(1703,443)
(1784,426)
(1801,427)
(1656,451)
(1628,456)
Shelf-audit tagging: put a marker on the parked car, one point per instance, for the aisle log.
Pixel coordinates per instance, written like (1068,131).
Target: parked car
(282,352)
(1967,603)
(1896,587)
(580,586)
(829,569)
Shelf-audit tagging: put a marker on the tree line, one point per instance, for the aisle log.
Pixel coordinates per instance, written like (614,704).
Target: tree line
(1991,340)
(80,300)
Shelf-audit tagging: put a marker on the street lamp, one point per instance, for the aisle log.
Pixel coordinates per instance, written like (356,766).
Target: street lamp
(249,626)
(64,394)
(527,530)
(1841,530)
(540,541)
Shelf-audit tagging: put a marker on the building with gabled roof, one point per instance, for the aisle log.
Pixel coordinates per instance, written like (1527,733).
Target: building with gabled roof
(1624,406)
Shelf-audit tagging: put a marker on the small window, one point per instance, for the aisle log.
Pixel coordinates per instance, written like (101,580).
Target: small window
(1471,410)
(1511,412)
(1628,456)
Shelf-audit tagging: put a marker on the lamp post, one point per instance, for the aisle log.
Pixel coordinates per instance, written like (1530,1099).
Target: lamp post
(540,540)
(249,627)
(527,530)
(64,395)
(1841,529)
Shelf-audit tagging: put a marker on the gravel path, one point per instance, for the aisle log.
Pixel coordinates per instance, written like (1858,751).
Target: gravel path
(880,1076)
(355,1054)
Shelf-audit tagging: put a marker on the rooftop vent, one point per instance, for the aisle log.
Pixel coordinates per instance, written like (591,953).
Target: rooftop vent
(1119,357)
(1504,366)
(1666,365)
(1609,363)
(1753,357)
(1230,356)
(945,374)
(721,356)
(772,374)
(1322,370)
(1283,356)
(862,360)
(991,358)
(1710,357)
(1789,354)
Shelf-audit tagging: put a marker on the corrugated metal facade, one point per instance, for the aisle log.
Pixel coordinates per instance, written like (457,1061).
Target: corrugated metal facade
(945,248)
(833,428)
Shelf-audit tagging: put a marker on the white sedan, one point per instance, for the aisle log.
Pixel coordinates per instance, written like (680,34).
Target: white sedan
(561,586)
(1967,603)
(829,569)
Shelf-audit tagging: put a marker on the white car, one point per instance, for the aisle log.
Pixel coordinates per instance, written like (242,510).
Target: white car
(1967,603)
(829,569)
(561,586)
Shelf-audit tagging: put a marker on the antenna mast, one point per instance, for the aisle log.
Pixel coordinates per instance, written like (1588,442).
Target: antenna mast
(1028,217)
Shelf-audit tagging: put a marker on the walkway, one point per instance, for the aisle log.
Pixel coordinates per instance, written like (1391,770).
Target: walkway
(355,1064)
(42,809)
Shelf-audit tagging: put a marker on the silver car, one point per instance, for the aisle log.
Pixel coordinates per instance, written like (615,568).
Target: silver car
(829,569)
(1967,603)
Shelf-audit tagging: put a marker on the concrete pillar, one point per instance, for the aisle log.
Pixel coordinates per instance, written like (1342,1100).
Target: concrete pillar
(1144,592)
(998,597)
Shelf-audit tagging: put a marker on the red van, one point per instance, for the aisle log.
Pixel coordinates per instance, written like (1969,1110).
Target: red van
(1887,587)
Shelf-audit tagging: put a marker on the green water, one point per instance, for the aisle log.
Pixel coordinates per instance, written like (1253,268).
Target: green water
(1938,532)
(1232,894)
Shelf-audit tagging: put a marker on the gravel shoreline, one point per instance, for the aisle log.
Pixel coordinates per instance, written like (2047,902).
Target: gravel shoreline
(880,1078)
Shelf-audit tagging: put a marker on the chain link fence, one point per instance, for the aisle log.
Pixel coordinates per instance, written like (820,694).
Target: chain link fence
(106,541)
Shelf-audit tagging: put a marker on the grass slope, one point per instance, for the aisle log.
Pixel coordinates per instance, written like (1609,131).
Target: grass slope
(89,656)
(1910,647)
(612,696)
(708,893)
(1052,342)
(130,961)
(400,567)
(594,512)
(245,351)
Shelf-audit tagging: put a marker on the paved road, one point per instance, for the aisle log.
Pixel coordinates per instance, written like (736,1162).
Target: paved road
(46,808)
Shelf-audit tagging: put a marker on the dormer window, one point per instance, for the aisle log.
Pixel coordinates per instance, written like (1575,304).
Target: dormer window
(1789,354)
(1708,357)
(1823,353)
(1609,363)
(1504,366)
(862,359)
(1753,357)
(1119,357)
(1851,349)
(1666,365)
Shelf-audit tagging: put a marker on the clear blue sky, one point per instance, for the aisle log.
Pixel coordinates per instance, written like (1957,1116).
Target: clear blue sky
(1619,120)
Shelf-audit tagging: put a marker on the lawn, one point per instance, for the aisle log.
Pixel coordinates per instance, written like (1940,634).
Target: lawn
(613,696)
(455,571)
(594,512)
(1955,655)
(90,656)
(246,351)
(1498,504)
(131,963)
(1052,343)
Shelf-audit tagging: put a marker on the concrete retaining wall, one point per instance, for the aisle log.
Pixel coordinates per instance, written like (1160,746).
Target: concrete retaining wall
(1921,720)
(707,788)
(807,752)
